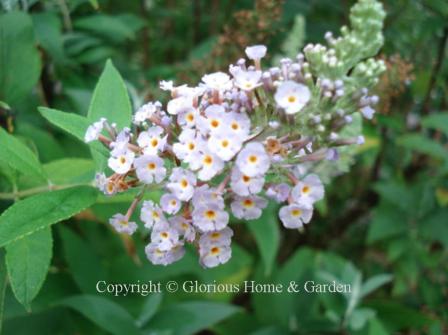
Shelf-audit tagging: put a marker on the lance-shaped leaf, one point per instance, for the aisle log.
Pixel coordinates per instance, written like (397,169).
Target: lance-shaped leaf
(42,210)
(27,261)
(110,99)
(75,125)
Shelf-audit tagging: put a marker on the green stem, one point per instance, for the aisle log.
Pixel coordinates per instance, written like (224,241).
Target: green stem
(15,195)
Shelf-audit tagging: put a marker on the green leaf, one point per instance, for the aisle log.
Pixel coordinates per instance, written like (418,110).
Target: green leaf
(48,28)
(376,327)
(110,99)
(75,125)
(359,317)
(267,235)
(191,317)
(2,286)
(71,123)
(150,307)
(387,221)
(27,261)
(42,210)
(104,313)
(375,282)
(397,194)
(398,316)
(108,27)
(437,121)
(48,148)
(424,145)
(85,265)
(435,226)
(70,171)
(94,4)
(19,156)
(19,57)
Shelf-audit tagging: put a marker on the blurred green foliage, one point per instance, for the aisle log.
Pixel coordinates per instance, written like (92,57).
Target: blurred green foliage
(383,227)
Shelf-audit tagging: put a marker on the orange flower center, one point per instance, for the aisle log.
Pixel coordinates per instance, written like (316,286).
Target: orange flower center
(183,183)
(253,159)
(210,214)
(208,160)
(214,123)
(214,251)
(296,212)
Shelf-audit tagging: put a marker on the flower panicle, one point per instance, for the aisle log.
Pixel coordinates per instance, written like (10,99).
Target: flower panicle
(230,144)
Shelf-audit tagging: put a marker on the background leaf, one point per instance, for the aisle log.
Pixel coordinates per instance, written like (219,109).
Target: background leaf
(40,211)
(424,145)
(2,286)
(267,235)
(28,260)
(105,313)
(18,155)
(150,307)
(83,262)
(375,282)
(19,58)
(437,121)
(191,317)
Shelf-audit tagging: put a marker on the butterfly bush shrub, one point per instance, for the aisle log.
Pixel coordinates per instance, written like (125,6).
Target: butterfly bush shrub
(236,140)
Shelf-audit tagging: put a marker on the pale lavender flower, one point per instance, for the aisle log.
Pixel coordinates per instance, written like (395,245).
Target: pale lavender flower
(217,81)
(152,140)
(295,215)
(244,185)
(150,169)
(248,208)
(94,130)
(211,255)
(278,192)
(183,227)
(169,203)
(122,163)
(122,225)
(292,96)
(210,217)
(253,160)
(164,236)
(204,195)
(160,257)
(151,214)
(256,52)
(308,191)
(217,238)
(182,183)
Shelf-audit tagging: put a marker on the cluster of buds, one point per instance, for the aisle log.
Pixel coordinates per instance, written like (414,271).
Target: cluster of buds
(227,147)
